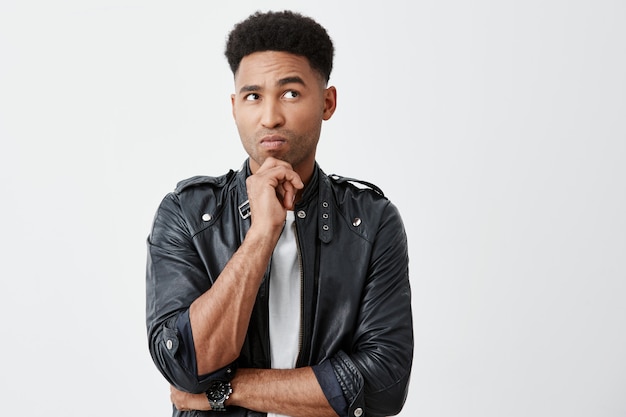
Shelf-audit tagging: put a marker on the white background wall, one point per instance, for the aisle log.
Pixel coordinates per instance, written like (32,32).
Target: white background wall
(497,127)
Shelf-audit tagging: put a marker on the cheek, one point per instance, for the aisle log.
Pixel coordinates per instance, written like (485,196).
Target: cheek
(242,118)
(308,116)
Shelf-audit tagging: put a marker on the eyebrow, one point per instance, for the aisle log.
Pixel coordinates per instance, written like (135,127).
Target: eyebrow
(290,80)
(283,81)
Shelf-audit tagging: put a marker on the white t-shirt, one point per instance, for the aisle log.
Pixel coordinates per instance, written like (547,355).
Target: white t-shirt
(285,300)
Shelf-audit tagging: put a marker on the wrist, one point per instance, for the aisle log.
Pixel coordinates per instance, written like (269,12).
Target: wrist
(263,237)
(238,384)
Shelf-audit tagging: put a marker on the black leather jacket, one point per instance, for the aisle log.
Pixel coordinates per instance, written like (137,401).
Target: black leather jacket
(356,296)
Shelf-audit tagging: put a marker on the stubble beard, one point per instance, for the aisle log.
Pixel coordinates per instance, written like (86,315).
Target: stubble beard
(297,152)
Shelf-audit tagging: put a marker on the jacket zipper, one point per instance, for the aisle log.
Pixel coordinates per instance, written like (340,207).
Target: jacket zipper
(301,336)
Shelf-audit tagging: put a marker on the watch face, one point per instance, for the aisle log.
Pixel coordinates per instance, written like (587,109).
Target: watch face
(218,390)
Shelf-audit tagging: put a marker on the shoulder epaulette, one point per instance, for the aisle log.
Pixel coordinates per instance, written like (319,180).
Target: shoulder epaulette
(203,180)
(357,183)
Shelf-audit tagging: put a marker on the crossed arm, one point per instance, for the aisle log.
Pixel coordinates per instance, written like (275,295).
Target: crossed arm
(293,392)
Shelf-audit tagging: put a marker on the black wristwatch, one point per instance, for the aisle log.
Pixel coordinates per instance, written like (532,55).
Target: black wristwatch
(218,392)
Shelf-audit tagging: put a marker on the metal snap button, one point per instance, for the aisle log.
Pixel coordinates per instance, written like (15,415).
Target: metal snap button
(206,217)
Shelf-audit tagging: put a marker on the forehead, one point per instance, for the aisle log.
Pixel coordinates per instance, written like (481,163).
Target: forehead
(272,66)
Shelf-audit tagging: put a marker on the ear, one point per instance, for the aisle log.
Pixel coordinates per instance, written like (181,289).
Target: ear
(232,103)
(330,102)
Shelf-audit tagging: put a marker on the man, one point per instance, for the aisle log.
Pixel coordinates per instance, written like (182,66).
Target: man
(278,289)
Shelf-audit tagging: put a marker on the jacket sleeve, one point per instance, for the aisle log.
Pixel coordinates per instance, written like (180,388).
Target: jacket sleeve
(175,277)
(374,376)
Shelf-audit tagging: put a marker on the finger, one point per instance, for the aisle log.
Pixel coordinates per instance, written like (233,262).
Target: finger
(282,171)
(285,194)
(289,195)
(294,179)
(281,177)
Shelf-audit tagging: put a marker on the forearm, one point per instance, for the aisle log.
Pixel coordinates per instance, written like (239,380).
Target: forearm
(219,318)
(293,392)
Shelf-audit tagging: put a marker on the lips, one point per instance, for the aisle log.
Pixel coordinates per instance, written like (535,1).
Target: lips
(273,141)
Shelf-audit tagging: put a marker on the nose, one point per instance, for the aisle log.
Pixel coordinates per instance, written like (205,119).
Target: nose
(272,116)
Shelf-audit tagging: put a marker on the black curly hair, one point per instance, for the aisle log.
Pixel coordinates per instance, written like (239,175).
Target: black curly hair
(284,31)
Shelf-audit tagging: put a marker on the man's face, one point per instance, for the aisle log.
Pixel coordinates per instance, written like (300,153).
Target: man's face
(279,105)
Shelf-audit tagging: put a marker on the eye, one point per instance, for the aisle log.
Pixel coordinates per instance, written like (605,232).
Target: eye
(251,97)
(291,94)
